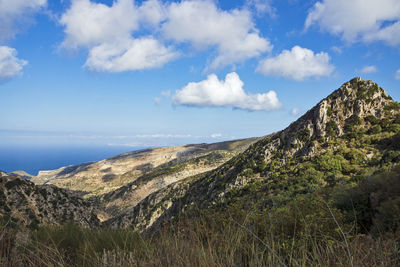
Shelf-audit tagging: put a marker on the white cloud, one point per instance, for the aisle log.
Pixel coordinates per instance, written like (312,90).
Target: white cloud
(369,69)
(152,12)
(397,75)
(229,93)
(14,15)
(107,32)
(262,7)
(216,135)
(87,23)
(10,65)
(17,13)
(295,111)
(365,20)
(132,54)
(202,24)
(166,93)
(337,49)
(298,64)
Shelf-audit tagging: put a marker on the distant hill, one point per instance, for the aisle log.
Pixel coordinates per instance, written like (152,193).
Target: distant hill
(124,180)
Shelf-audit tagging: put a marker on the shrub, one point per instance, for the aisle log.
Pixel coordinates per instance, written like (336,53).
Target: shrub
(304,134)
(375,129)
(394,128)
(371,119)
(392,106)
(331,129)
(373,204)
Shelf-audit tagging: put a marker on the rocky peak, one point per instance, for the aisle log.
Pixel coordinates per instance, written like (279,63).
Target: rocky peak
(352,102)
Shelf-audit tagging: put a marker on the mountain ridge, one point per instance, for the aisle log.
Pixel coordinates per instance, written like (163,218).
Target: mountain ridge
(330,126)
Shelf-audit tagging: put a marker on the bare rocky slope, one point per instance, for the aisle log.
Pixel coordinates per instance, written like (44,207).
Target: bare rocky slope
(24,203)
(350,133)
(123,181)
(101,177)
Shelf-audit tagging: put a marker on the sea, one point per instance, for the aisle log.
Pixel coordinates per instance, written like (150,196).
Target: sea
(35,158)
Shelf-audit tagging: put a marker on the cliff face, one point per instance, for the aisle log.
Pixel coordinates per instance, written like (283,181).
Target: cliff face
(24,203)
(344,136)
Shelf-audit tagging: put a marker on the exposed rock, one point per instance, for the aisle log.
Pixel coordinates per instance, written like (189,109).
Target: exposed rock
(26,204)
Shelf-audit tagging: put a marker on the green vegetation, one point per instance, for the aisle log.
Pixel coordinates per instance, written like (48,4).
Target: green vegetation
(327,227)
(331,129)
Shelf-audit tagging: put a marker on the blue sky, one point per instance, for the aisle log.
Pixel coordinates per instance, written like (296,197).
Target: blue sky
(156,73)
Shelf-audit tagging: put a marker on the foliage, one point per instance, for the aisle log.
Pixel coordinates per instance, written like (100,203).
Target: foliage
(331,129)
(374,204)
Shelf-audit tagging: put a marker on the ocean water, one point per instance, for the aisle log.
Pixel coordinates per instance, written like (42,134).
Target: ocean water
(33,159)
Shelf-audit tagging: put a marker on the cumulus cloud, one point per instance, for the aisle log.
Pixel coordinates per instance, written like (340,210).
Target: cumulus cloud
(369,69)
(203,25)
(87,23)
(262,7)
(365,20)
(16,13)
(213,92)
(397,75)
(10,65)
(297,64)
(132,54)
(107,32)
(110,30)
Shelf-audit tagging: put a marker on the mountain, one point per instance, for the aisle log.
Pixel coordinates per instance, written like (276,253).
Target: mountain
(24,203)
(124,180)
(324,190)
(22,174)
(352,133)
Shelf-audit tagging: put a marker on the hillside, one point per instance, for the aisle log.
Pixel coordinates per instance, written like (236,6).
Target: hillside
(351,134)
(98,178)
(24,203)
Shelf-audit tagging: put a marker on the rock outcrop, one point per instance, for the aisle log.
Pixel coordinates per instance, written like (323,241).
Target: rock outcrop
(24,203)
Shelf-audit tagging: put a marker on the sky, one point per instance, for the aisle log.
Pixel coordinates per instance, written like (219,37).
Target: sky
(160,73)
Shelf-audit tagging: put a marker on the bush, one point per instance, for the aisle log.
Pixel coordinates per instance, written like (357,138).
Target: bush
(371,202)
(331,129)
(371,119)
(395,128)
(304,134)
(375,129)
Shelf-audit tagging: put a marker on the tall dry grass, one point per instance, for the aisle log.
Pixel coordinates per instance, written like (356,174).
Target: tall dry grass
(209,240)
